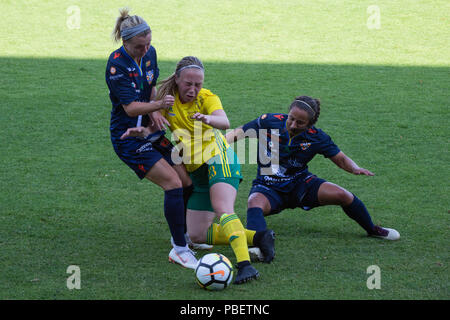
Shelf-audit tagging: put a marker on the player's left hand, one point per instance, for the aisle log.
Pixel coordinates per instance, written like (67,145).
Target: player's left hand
(202,117)
(136,132)
(362,171)
(158,122)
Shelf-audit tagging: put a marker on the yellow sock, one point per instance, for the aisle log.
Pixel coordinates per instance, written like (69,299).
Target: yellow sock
(234,231)
(250,234)
(215,235)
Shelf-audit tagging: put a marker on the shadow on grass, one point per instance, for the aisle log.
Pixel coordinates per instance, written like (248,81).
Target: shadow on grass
(46,85)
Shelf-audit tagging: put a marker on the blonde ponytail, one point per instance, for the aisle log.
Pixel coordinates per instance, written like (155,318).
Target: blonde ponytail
(125,21)
(167,87)
(123,16)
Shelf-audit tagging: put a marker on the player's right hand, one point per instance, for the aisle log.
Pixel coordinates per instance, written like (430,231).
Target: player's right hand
(167,101)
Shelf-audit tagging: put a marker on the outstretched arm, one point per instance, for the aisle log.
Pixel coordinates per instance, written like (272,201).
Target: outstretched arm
(235,135)
(347,164)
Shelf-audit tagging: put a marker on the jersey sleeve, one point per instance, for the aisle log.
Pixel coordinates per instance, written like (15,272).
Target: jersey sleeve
(262,122)
(328,147)
(120,84)
(211,103)
(252,128)
(254,124)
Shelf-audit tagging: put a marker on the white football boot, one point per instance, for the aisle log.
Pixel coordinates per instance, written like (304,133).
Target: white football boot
(385,233)
(184,257)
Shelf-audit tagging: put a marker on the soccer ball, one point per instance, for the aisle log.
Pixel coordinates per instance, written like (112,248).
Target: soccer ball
(214,272)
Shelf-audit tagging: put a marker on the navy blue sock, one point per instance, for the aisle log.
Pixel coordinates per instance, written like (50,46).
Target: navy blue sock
(358,212)
(174,213)
(255,219)
(187,192)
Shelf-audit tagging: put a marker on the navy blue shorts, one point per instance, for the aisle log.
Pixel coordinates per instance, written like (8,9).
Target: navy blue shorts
(303,195)
(141,155)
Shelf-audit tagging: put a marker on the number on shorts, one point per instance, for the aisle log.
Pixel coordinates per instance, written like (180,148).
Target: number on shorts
(212,172)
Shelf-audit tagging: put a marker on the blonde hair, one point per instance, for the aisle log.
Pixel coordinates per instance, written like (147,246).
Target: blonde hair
(168,86)
(125,21)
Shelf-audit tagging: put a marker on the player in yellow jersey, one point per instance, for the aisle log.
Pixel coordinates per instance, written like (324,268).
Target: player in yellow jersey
(195,120)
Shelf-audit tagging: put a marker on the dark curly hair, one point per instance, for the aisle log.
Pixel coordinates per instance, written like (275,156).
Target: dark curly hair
(310,105)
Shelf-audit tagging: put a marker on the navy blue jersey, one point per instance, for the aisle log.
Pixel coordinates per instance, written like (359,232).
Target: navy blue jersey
(293,154)
(128,82)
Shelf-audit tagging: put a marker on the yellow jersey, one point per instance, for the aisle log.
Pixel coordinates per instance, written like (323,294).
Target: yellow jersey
(199,141)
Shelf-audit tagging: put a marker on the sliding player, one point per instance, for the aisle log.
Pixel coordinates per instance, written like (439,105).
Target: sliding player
(288,183)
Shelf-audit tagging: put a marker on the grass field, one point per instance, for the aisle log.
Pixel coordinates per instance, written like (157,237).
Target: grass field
(66,199)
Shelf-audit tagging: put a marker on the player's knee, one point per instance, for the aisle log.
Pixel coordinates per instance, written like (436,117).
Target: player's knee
(345,198)
(257,201)
(173,183)
(251,203)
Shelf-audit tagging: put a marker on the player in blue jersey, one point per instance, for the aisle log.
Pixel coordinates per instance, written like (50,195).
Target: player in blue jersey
(131,75)
(287,142)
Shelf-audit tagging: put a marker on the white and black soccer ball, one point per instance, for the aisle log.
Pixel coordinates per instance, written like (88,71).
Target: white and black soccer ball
(214,272)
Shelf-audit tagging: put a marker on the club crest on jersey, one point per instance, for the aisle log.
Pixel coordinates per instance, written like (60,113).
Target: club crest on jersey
(150,76)
(305,145)
(112,70)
